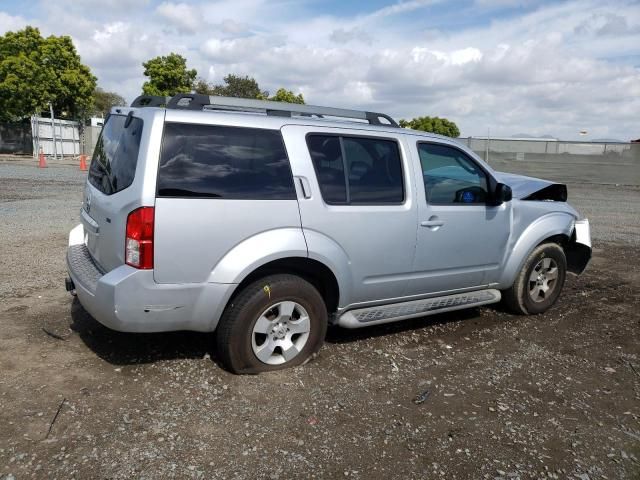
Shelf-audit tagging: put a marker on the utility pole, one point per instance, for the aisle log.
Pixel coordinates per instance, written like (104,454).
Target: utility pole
(53,133)
(486,155)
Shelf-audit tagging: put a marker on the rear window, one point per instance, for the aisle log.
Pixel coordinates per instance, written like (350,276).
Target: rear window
(224,162)
(115,157)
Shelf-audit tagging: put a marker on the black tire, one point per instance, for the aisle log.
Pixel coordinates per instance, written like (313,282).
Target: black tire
(235,332)
(519,298)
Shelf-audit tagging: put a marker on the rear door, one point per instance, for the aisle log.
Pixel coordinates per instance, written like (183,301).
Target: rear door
(110,192)
(358,203)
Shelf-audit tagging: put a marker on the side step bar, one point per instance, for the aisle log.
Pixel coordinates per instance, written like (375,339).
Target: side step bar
(364,317)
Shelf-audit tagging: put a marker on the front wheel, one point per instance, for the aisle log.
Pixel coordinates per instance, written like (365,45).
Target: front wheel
(539,282)
(277,322)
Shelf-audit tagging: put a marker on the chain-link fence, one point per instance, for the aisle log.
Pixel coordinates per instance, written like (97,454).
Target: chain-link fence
(562,161)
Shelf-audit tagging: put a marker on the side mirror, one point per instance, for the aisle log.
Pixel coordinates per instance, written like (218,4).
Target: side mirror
(502,194)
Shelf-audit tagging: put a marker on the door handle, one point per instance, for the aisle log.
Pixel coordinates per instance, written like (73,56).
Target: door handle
(304,186)
(433,223)
(88,222)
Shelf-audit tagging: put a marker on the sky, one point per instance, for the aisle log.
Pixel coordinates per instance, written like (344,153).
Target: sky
(504,66)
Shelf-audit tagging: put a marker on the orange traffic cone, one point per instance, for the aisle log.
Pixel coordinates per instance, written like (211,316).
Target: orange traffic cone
(42,163)
(83,163)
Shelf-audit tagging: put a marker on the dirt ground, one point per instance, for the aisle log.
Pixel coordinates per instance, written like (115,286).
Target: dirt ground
(473,394)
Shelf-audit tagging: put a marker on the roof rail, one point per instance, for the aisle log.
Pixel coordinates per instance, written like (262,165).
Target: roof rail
(150,101)
(196,101)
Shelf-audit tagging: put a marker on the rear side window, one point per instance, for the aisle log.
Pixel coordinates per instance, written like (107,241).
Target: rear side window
(327,160)
(357,170)
(115,156)
(224,162)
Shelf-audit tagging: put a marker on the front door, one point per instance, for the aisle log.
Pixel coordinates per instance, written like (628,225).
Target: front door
(461,239)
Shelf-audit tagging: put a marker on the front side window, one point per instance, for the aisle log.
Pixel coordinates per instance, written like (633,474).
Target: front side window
(357,170)
(210,161)
(450,176)
(115,156)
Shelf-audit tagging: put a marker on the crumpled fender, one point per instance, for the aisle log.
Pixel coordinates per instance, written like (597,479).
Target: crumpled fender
(549,225)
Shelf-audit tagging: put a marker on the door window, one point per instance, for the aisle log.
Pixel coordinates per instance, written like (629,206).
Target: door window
(327,159)
(357,170)
(450,176)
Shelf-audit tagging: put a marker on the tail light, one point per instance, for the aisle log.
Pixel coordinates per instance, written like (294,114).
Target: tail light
(139,241)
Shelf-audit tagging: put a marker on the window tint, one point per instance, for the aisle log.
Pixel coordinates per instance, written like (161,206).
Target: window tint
(115,156)
(224,162)
(373,169)
(450,176)
(327,160)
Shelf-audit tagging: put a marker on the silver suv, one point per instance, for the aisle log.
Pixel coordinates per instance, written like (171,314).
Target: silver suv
(267,221)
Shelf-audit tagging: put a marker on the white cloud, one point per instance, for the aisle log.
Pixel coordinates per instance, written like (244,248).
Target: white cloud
(346,35)
(185,18)
(398,8)
(456,57)
(556,69)
(11,22)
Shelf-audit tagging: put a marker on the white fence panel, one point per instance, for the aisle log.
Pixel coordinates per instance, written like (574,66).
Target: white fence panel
(60,138)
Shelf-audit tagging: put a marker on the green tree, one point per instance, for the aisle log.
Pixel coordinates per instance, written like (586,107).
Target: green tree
(168,75)
(203,87)
(441,126)
(103,101)
(245,87)
(36,71)
(240,87)
(284,95)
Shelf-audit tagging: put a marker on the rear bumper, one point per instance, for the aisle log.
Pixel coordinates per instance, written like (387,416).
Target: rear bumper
(129,300)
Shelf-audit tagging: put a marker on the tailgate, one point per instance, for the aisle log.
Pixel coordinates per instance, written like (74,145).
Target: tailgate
(108,197)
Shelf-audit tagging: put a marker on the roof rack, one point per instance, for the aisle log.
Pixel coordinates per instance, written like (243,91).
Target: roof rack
(150,101)
(196,101)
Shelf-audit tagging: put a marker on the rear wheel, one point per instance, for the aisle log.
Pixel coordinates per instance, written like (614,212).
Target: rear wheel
(277,322)
(540,281)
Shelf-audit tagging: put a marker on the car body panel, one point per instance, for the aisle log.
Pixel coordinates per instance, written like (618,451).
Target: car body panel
(192,235)
(380,259)
(531,228)
(256,251)
(130,300)
(448,258)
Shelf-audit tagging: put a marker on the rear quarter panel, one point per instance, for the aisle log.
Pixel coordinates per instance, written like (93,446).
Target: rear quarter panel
(192,237)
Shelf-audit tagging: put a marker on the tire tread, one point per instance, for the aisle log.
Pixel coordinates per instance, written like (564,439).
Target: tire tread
(226,338)
(514,297)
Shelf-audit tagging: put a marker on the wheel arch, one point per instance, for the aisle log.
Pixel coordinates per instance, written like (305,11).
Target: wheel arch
(313,271)
(551,228)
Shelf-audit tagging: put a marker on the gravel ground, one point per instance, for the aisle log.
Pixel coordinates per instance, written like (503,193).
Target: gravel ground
(472,394)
